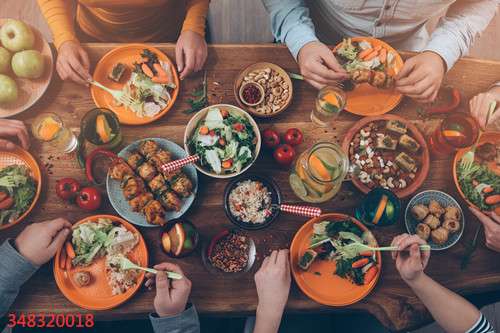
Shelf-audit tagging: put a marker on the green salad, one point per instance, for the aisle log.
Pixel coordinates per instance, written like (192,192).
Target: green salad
(480,185)
(224,140)
(17,191)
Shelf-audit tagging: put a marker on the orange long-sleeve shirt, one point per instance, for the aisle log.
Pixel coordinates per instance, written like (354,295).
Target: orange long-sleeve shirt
(125,20)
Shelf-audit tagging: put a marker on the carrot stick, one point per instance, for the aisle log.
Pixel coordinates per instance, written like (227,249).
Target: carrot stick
(366,253)
(371,55)
(69,250)
(62,259)
(382,55)
(370,274)
(360,263)
(159,70)
(488,189)
(145,68)
(160,79)
(492,199)
(378,47)
(364,53)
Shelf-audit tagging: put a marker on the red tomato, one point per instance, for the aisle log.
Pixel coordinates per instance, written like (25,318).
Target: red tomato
(284,154)
(271,138)
(67,188)
(6,203)
(89,199)
(293,137)
(238,127)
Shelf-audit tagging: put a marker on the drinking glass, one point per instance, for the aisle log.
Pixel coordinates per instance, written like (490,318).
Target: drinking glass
(379,207)
(101,128)
(329,104)
(458,130)
(49,127)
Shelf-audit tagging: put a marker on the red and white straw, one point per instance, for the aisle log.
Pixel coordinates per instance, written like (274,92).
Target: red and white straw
(177,164)
(301,210)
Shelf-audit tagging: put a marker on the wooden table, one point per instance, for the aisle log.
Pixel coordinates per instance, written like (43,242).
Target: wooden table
(392,302)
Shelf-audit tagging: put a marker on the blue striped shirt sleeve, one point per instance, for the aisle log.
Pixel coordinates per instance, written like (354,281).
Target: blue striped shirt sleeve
(481,326)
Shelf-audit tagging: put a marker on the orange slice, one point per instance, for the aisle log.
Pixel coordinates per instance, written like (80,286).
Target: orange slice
(177,237)
(380,209)
(166,242)
(102,128)
(332,99)
(453,134)
(48,129)
(319,168)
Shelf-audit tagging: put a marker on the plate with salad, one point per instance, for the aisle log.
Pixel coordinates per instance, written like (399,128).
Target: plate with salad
(372,65)
(142,73)
(88,268)
(328,264)
(479,184)
(226,139)
(20,186)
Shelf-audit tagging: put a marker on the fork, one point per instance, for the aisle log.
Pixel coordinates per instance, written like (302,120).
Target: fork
(125,264)
(468,157)
(299,77)
(118,95)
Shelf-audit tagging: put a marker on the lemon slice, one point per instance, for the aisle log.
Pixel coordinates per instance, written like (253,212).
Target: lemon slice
(297,185)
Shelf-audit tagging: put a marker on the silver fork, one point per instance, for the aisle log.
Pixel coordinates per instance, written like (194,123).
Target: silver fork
(125,264)
(468,157)
(118,95)
(299,77)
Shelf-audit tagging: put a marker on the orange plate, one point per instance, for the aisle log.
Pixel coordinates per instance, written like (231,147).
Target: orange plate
(424,168)
(97,295)
(366,100)
(327,288)
(20,156)
(127,55)
(493,137)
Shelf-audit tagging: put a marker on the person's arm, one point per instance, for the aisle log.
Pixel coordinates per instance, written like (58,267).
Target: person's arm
(19,259)
(458,315)
(457,30)
(173,313)
(15,270)
(58,17)
(196,16)
(290,23)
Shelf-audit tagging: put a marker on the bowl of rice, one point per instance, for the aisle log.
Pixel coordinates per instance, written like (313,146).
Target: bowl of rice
(251,201)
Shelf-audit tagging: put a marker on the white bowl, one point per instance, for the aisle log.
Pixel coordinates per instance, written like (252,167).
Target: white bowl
(193,124)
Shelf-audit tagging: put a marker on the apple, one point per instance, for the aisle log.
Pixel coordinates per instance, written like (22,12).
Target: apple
(16,36)
(28,64)
(8,89)
(5,57)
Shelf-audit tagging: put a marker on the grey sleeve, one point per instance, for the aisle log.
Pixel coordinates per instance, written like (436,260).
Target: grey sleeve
(15,270)
(185,322)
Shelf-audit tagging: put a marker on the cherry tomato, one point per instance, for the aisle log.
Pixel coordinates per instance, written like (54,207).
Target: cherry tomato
(293,137)
(238,127)
(67,188)
(6,203)
(284,154)
(89,199)
(271,138)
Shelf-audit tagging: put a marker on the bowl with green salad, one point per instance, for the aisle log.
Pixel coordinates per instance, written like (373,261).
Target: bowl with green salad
(225,138)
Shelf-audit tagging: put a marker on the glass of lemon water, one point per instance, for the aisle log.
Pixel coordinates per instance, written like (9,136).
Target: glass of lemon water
(49,127)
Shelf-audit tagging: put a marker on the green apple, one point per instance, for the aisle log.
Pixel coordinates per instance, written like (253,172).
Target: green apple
(8,90)
(28,64)
(16,36)
(5,57)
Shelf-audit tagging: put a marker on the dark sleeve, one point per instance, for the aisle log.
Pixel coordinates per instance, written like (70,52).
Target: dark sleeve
(482,326)
(185,322)
(15,270)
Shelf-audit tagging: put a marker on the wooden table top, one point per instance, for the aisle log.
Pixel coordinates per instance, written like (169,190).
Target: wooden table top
(392,302)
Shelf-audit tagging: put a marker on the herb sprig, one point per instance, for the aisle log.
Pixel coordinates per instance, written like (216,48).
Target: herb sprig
(199,97)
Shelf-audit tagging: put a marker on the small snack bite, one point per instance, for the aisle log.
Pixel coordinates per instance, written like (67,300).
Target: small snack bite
(451,225)
(440,235)
(452,213)
(435,208)
(423,231)
(409,143)
(420,212)
(117,72)
(82,278)
(307,259)
(432,221)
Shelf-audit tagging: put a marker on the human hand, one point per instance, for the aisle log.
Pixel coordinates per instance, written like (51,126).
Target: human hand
(410,261)
(190,53)
(171,295)
(421,77)
(319,66)
(73,63)
(491,223)
(273,282)
(39,242)
(13,128)
(480,107)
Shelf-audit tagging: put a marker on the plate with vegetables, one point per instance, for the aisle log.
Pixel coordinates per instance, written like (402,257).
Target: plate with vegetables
(89,269)
(139,72)
(20,186)
(372,65)
(479,183)
(225,138)
(326,265)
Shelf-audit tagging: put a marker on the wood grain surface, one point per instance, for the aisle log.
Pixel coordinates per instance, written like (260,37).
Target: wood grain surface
(392,302)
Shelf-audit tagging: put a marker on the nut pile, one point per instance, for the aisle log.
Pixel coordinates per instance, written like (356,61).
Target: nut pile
(378,167)
(230,254)
(276,89)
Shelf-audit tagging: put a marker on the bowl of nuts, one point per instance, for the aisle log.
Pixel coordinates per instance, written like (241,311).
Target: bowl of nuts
(276,87)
